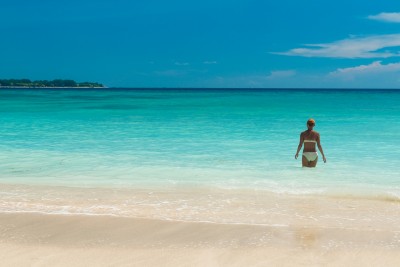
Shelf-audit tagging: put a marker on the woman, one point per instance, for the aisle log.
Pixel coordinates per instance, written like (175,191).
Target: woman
(310,138)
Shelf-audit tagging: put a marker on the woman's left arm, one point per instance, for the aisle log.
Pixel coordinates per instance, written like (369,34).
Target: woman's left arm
(320,148)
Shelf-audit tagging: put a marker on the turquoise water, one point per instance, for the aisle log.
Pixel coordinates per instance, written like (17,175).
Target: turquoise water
(208,138)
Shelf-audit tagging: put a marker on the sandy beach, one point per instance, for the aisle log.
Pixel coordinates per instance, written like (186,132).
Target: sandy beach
(34,239)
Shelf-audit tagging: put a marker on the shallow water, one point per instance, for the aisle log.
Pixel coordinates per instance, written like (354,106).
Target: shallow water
(241,139)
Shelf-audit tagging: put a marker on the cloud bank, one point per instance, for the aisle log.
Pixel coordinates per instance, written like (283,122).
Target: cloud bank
(374,75)
(374,68)
(377,46)
(393,17)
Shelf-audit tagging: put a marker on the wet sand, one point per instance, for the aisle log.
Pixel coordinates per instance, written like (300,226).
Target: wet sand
(31,239)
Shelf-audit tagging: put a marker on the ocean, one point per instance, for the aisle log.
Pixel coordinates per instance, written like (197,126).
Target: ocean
(174,139)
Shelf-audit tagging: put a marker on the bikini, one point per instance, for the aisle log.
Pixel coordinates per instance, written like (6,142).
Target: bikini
(310,156)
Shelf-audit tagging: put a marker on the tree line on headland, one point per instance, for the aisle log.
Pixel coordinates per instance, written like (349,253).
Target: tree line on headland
(44,83)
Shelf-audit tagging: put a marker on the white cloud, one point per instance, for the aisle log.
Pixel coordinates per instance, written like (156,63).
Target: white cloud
(210,62)
(280,74)
(386,17)
(181,64)
(374,67)
(375,74)
(353,47)
(274,79)
(170,73)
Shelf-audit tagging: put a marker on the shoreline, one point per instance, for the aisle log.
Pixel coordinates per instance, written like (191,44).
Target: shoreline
(204,204)
(62,240)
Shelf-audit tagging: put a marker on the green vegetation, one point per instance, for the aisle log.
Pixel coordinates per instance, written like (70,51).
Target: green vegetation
(45,83)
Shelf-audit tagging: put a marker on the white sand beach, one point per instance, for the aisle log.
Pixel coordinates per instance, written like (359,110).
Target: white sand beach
(313,237)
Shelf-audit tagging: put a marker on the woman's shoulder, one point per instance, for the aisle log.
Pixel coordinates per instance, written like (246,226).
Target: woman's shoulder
(316,135)
(310,132)
(310,135)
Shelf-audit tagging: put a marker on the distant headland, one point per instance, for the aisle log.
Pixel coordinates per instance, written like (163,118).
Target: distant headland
(57,83)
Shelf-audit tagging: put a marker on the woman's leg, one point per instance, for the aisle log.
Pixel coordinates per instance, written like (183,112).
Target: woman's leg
(304,161)
(312,164)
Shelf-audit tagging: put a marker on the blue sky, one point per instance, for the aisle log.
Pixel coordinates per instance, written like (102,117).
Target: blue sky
(253,43)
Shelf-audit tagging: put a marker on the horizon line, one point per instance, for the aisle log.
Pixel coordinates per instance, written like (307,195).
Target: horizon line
(202,88)
(254,88)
